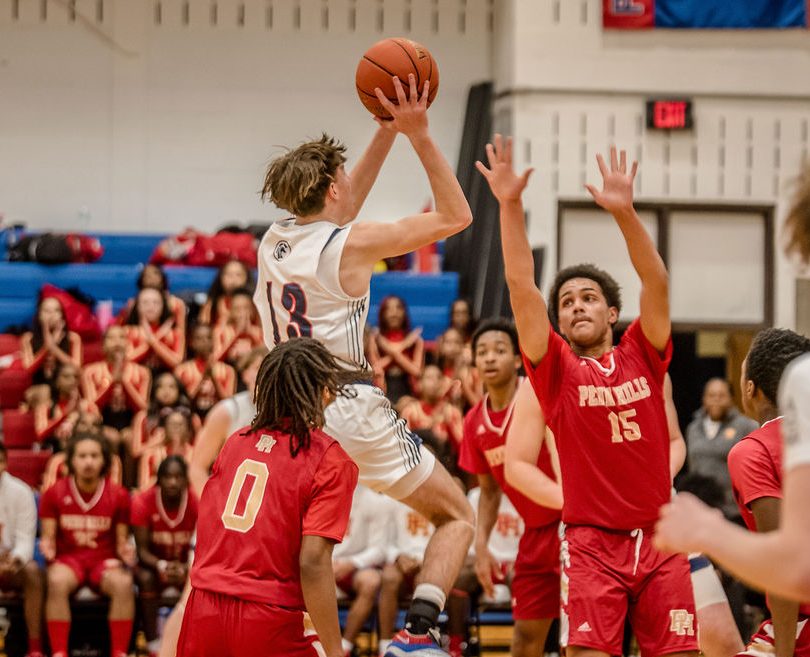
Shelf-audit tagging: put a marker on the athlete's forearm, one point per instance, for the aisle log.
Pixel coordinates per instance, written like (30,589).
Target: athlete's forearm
(488,504)
(677,456)
(318,587)
(451,205)
(785,617)
(642,250)
(534,484)
(368,167)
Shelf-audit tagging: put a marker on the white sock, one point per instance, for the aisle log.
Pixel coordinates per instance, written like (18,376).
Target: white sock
(384,643)
(430,593)
(347,645)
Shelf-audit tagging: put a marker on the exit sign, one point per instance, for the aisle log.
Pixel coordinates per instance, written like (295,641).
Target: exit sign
(669,114)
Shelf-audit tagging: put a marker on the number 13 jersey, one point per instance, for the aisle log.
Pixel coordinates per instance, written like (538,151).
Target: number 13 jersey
(610,424)
(258,504)
(299,292)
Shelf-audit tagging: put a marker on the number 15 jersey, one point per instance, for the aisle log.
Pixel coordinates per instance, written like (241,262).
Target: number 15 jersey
(299,292)
(609,420)
(256,507)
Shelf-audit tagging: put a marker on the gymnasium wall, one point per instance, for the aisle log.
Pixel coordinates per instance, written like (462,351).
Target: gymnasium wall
(151,115)
(568,88)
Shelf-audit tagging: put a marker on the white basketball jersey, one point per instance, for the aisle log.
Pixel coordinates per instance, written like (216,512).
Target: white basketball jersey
(241,409)
(299,293)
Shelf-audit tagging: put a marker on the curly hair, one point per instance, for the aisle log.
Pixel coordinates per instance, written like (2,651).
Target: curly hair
(297,181)
(771,352)
(797,224)
(76,438)
(290,389)
(501,325)
(610,288)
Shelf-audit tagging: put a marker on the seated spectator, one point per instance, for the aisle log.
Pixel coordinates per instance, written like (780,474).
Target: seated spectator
(153,339)
(154,277)
(18,570)
(232,276)
(430,411)
(410,533)
(49,343)
(241,331)
(163,520)
(357,559)
(117,387)
(55,418)
(717,426)
(462,319)
(177,430)
(402,349)
(205,379)
(167,392)
(85,539)
(454,358)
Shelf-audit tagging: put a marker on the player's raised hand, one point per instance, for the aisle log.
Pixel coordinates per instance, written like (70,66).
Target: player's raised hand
(409,114)
(684,524)
(505,183)
(617,182)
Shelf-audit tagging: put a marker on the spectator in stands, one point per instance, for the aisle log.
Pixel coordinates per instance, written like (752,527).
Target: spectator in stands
(433,412)
(49,343)
(241,331)
(163,521)
(232,276)
(401,348)
(454,358)
(356,561)
(167,392)
(154,277)
(152,337)
(410,533)
(85,533)
(717,426)
(18,570)
(117,387)
(55,418)
(462,319)
(177,430)
(205,379)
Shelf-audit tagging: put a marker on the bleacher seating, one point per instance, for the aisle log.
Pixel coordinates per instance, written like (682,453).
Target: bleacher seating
(28,465)
(13,384)
(18,429)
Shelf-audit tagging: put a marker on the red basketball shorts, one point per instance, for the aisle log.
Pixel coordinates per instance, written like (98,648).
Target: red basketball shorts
(88,567)
(610,575)
(536,583)
(216,625)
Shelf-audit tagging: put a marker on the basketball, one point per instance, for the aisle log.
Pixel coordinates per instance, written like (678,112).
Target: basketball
(394,57)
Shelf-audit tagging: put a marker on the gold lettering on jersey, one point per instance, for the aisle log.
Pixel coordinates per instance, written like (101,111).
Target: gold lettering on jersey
(266,443)
(495,456)
(171,538)
(623,394)
(681,622)
(417,525)
(72,523)
(508,525)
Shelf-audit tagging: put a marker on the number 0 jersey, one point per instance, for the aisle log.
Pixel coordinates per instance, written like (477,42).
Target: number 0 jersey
(299,293)
(611,428)
(256,507)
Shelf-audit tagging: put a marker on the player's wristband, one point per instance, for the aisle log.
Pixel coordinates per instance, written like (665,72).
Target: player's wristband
(162,565)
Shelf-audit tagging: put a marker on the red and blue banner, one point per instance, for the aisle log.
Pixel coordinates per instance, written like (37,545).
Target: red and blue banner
(705,14)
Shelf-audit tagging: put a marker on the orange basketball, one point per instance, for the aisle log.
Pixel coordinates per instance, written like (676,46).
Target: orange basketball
(390,57)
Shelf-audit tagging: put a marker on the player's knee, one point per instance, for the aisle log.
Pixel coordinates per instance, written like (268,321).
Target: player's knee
(391,578)
(32,572)
(60,582)
(367,583)
(147,582)
(118,583)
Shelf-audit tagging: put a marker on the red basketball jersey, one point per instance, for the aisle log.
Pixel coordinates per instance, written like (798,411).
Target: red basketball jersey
(170,531)
(482,452)
(86,523)
(256,507)
(609,421)
(755,466)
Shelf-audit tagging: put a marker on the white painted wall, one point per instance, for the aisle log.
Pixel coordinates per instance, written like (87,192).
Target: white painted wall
(151,115)
(574,88)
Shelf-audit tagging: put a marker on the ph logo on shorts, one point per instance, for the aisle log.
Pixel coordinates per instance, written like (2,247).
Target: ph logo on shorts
(681,622)
(282,250)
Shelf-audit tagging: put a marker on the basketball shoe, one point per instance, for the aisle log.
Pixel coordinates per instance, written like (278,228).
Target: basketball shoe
(405,644)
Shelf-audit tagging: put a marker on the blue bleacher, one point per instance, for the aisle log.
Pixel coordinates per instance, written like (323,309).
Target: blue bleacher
(428,296)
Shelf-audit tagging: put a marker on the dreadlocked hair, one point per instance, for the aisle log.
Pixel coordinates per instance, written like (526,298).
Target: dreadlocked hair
(290,388)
